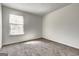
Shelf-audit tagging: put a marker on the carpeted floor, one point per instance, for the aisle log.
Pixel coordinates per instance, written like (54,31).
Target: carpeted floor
(39,47)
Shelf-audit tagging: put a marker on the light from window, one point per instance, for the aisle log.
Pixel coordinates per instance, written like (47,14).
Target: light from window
(16,24)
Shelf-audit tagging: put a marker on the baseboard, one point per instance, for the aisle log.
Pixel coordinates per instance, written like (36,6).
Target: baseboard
(61,43)
(21,42)
(43,38)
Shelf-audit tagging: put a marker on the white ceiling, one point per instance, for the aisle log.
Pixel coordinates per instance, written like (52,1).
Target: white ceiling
(36,8)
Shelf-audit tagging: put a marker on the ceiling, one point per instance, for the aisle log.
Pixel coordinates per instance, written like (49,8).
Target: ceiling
(36,8)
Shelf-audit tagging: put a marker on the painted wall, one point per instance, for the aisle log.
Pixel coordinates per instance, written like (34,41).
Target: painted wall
(0,26)
(63,25)
(32,26)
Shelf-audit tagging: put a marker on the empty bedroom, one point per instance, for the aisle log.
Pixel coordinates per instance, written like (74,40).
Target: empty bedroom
(39,29)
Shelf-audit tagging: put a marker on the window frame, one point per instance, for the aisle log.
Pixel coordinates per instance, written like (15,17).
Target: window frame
(10,24)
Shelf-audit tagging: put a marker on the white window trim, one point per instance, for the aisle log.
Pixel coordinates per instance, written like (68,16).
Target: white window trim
(17,23)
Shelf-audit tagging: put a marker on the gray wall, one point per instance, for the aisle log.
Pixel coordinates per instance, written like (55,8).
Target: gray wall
(32,26)
(63,25)
(0,26)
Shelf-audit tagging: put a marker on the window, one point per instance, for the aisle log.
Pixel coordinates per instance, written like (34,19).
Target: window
(16,24)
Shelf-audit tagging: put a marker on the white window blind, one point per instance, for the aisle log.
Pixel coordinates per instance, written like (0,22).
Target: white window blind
(16,24)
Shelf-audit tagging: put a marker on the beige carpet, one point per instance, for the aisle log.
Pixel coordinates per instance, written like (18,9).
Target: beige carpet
(40,47)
